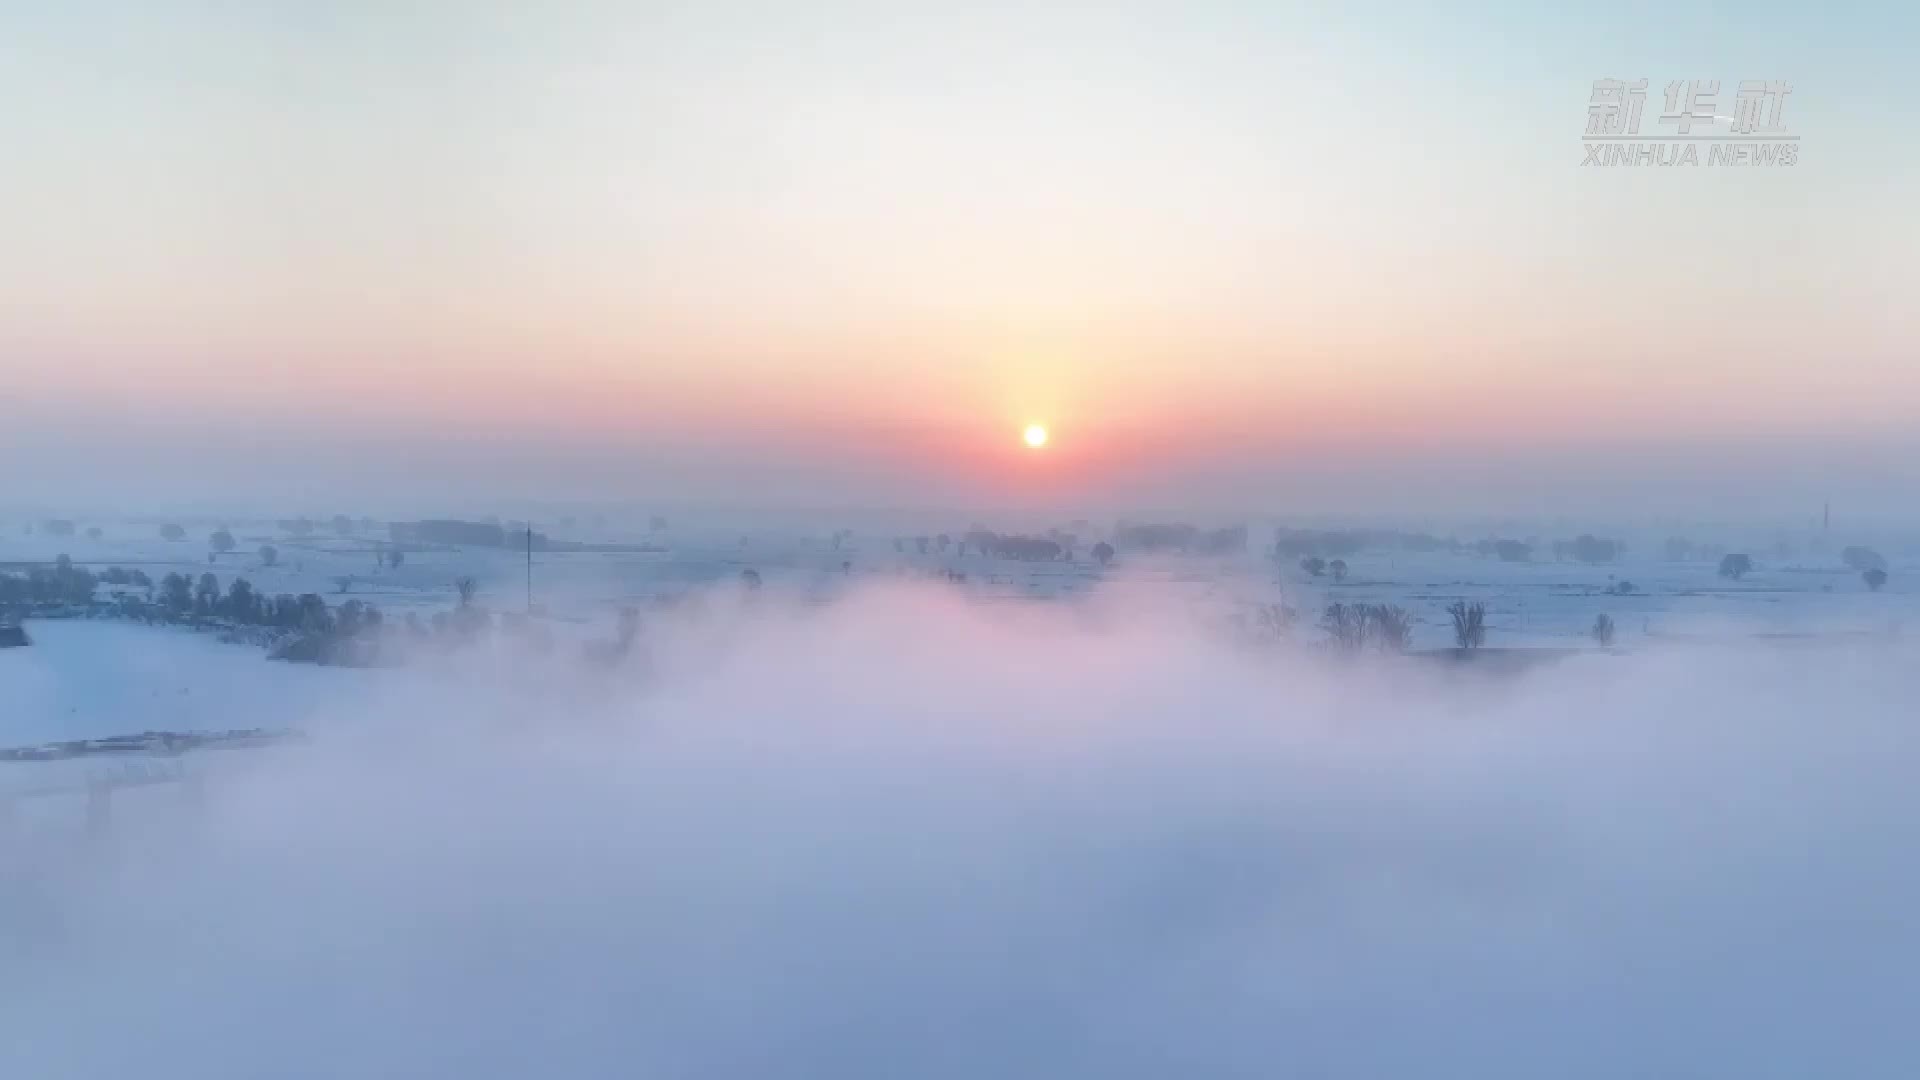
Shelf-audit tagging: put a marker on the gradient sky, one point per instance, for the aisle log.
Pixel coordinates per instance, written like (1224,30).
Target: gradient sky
(1235,255)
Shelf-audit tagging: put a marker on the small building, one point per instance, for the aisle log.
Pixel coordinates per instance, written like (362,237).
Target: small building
(14,636)
(452,533)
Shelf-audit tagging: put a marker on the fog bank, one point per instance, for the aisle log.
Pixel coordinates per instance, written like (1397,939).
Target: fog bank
(908,837)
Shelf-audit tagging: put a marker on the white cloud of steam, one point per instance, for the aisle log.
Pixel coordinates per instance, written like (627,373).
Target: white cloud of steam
(904,838)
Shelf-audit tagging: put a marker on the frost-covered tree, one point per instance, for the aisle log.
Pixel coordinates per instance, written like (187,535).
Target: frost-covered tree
(1589,548)
(206,595)
(176,593)
(1863,559)
(240,605)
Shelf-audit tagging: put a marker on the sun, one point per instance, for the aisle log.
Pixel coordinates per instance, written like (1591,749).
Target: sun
(1036,436)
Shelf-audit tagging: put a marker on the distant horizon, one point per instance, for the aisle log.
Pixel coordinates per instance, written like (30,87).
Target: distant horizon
(695,516)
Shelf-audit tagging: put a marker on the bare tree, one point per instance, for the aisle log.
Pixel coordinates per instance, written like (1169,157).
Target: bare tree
(1469,623)
(1272,622)
(466,587)
(1874,577)
(1603,630)
(1338,568)
(1346,624)
(1314,565)
(1390,627)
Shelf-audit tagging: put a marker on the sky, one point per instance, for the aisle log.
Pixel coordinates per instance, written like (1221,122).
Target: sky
(1235,256)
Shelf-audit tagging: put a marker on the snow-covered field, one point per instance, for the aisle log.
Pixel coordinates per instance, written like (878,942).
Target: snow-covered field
(1542,602)
(94,678)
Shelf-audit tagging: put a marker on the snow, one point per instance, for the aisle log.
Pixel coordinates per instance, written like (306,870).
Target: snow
(94,678)
(1541,603)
